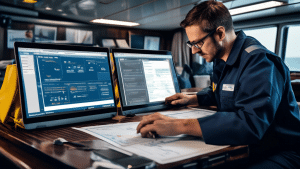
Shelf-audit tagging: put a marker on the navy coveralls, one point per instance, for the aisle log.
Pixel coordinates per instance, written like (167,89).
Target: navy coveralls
(254,97)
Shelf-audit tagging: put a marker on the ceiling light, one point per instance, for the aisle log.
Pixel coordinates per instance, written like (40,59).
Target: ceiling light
(59,10)
(86,4)
(30,1)
(48,8)
(256,7)
(114,22)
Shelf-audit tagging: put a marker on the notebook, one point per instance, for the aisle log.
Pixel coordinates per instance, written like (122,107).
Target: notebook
(145,79)
(63,84)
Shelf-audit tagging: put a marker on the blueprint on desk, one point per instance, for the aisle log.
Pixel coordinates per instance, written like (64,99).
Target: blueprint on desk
(161,150)
(188,113)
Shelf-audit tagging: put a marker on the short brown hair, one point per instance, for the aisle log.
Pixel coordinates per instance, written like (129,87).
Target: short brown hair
(215,13)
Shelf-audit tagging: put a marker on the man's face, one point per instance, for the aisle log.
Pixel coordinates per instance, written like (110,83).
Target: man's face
(210,49)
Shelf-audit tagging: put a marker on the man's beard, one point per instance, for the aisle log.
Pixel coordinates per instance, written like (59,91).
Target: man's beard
(220,50)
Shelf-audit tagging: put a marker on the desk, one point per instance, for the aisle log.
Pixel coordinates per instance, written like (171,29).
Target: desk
(194,89)
(35,148)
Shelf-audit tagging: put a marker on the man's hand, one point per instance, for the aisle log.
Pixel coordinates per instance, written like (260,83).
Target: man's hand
(182,99)
(166,126)
(158,123)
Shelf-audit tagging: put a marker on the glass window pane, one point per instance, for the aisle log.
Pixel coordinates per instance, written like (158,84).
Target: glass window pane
(266,36)
(292,53)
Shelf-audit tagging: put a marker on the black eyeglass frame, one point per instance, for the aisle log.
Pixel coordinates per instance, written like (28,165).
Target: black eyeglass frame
(191,44)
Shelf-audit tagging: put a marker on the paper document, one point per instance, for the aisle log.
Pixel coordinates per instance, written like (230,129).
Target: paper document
(161,150)
(120,135)
(188,113)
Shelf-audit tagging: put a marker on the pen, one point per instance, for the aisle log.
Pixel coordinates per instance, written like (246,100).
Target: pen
(154,135)
(151,134)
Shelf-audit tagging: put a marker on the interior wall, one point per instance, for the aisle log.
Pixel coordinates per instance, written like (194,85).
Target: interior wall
(99,33)
(1,41)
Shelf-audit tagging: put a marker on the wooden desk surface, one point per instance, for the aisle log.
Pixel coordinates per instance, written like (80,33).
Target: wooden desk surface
(194,89)
(34,148)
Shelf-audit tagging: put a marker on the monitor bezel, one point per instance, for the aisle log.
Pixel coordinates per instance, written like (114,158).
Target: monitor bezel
(142,51)
(70,114)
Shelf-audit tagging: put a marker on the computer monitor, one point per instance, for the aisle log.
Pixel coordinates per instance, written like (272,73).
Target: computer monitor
(145,79)
(63,84)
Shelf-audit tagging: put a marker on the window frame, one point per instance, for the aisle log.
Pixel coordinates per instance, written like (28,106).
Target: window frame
(266,26)
(283,40)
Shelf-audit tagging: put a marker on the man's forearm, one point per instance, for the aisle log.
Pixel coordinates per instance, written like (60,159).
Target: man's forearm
(191,127)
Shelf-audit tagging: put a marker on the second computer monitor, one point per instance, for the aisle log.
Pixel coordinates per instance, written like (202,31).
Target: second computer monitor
(145,79)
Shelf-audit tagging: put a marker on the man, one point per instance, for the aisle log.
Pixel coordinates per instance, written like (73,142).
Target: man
(251,89)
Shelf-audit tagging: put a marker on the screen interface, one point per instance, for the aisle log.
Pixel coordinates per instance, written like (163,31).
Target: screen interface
(64,81)
(144,78)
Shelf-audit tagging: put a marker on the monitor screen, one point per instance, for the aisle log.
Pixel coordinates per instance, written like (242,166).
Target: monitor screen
(57,81)
(145,77)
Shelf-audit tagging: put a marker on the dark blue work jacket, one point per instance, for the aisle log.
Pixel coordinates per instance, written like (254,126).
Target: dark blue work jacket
(254,98)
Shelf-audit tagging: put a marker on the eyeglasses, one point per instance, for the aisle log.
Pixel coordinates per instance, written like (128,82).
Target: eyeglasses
(200,42)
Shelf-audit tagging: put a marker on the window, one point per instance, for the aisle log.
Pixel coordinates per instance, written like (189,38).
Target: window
(266,36)
(292,52)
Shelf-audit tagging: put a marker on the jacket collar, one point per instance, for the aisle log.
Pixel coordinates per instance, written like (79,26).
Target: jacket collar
(236,48)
